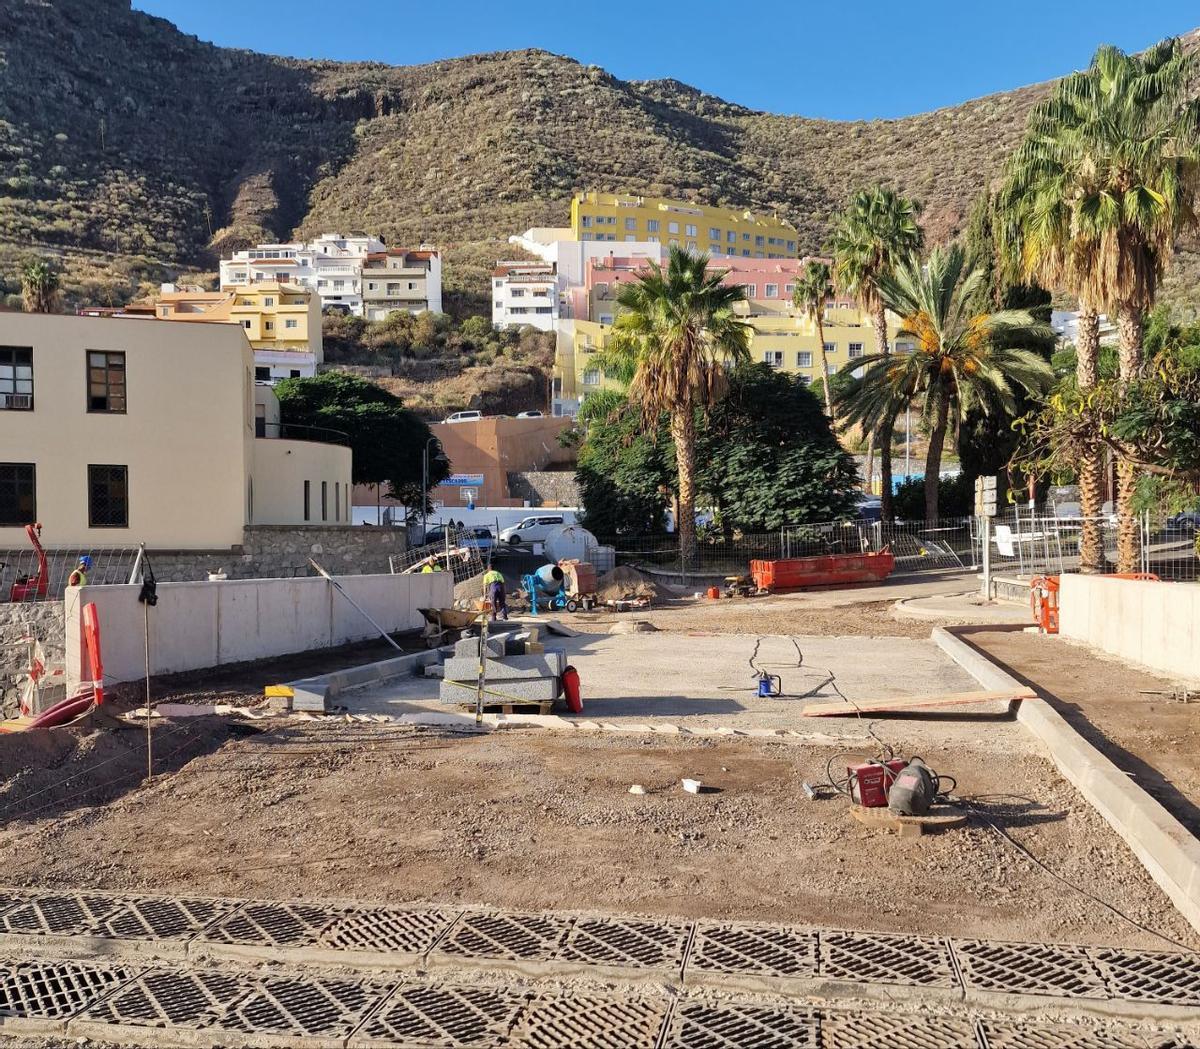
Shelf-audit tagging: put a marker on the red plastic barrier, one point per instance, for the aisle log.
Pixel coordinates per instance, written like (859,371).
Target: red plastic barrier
(570,681)
(795,573)
(91,636)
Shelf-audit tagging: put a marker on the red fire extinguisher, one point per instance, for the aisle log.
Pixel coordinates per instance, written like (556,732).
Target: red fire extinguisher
(570,683)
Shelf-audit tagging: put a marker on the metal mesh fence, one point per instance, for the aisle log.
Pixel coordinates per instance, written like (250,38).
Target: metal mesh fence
(459,551)
(22,577)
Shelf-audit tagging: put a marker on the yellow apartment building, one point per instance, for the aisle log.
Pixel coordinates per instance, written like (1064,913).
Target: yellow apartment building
(724,231)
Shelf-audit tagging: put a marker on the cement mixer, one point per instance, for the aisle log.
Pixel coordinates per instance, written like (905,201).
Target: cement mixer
(546,584)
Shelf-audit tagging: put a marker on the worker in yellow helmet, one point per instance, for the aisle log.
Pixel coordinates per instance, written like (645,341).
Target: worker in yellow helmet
(493,584)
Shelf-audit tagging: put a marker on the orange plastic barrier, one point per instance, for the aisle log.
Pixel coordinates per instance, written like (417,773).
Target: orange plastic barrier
(1043,597)
(794,573)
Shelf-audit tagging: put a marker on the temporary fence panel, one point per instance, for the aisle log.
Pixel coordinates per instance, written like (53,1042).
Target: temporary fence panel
(460,552)
(20,570)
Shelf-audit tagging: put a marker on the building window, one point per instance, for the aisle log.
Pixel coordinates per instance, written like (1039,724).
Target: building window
(805,380)
(631,223)
(745,253)
(262,374)
(652,240)
(270,325)
(16,378)
(714,233)
(585,221)
(672,227)
(518,293)
(591,377)
(904,347)
(324,500)
(246,325)
(339,285)
(773,357)
(855,349)
(689,230)
(308,500)
(291,322)
(772,291)
(269,301)
(337,500)
(108,497)
(731,236)
(651,225)
(18,503)
(106,381)
(831,347)
(751,290)
(804,359)
(294,373)
(789,290)
(791,246)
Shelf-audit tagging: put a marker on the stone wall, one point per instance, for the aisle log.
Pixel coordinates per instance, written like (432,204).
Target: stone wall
(545,487)
(40,619)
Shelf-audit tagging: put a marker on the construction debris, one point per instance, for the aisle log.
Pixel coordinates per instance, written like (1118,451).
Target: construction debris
(692,786)
(624,583)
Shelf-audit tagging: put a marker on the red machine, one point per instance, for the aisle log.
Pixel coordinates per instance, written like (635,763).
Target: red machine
(32,587)
(871,781)
(795,573)
(570,684)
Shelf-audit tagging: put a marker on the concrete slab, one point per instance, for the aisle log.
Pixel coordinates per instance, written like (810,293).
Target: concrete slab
(962,608)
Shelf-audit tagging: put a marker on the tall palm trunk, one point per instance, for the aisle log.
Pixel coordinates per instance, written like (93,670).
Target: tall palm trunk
(824,366)
(683,432)
(1129,330)
(887,512)
(1091,464)
(933,456)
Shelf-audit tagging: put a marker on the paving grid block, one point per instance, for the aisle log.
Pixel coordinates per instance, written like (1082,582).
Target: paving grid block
(515,937)
(704,1025)
(387,929)
(60,914)
(626,943)
(999,1034)
(304,1007)
(1028,968)
(440,1014)
(273,925)
(886,958)
(766,950)
(860,1030)
(1149,976)
(55,990)
(592,1022)
(172,998)
(162,918)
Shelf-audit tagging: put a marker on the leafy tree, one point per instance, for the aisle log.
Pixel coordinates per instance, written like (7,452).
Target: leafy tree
(877,230)
(809,297)
(673,337)
(962,361)
(956,496)
(1100,189)
(387,440)
(39,286)
(625,475)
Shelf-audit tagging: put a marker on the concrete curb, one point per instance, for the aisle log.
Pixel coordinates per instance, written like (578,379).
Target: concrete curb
(329,686)
(910,608)
(1169,853)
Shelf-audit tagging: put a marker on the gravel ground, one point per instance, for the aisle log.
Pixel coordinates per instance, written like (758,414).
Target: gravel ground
(543,821)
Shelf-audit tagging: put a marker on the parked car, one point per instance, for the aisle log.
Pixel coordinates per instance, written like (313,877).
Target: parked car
(463,417)
(479,536)
(531,529)
(529,415)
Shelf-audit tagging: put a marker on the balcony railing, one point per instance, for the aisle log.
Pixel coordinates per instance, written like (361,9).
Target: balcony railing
(296,432)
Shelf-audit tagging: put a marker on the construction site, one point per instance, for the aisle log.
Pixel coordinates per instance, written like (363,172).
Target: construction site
(544,799)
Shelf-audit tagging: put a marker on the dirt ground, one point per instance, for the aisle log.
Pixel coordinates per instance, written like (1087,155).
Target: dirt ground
(1151,737)
(533,820)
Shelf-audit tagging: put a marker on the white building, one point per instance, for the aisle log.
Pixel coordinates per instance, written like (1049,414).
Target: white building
(525,293)
(1066,326)
(332,266)
(554,244)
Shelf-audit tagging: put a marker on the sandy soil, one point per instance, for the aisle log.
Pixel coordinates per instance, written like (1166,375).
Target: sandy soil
(1153,738)
(538,820)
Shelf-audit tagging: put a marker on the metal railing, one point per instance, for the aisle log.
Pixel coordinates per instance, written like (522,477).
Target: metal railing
(296,432)
(21,578)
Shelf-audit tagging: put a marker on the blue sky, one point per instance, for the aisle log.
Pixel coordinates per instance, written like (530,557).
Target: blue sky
(874,58)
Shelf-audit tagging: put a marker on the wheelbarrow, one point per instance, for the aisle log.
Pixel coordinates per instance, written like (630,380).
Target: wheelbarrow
(443,625)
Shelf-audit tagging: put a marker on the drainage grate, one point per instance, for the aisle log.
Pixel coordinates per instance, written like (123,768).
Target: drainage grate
(384,929)
(442,1015)
(881,958)
(162,919)
(1146,976)
(700,1025)
(1028,968)
(303,1007)
(766,950)
(634,944)
(172,997)
(862,1030)
(525,937)
(584,1022)
(274,925)
(999,1035)
(54,915)
(54,990)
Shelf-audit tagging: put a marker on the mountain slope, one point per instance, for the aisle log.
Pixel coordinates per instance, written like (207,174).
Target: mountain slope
(137,151)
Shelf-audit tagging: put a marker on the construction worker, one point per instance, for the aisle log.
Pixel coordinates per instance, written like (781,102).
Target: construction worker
(432,565)
(79,576)
(493,581)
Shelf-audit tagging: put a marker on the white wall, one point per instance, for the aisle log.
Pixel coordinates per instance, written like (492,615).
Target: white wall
(280,469)
(1156,625)
(198,625)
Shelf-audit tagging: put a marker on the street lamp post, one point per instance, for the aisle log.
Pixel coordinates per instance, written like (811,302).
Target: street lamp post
(425,483)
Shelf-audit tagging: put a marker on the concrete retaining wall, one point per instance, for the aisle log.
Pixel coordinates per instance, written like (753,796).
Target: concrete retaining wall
(1156,625)
(198,625)
(1170,854)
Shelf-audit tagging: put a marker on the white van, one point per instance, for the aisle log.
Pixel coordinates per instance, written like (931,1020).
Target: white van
(463,417)
(532,529)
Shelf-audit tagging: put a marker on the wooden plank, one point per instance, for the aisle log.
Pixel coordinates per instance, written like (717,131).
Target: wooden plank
(899,703)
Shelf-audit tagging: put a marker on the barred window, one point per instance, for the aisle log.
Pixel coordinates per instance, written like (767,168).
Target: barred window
(18,504)
(16,378)
(108,496)
(106,382)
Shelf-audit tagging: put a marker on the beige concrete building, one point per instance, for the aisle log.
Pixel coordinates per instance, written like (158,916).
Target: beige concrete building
(131,430)
(400,279)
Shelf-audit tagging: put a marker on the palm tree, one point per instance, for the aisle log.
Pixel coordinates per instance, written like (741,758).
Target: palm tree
(809,297)
(675,333)
(876,231)
(39,286)
(1102,186)
(963,361)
